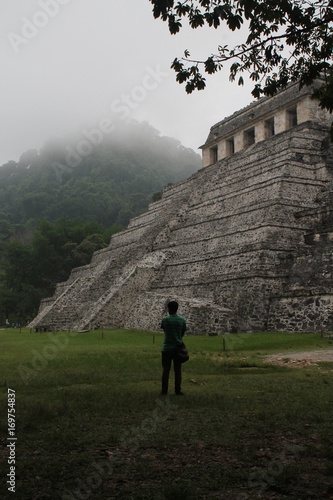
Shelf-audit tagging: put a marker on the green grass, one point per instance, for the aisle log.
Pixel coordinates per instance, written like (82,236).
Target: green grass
(90,422)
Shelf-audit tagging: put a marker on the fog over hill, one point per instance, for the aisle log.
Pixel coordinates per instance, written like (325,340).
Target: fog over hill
(107,177)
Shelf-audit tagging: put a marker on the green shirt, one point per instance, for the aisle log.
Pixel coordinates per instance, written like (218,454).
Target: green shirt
(174,327)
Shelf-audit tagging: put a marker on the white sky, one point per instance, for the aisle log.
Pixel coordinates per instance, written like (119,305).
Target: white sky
(66,65)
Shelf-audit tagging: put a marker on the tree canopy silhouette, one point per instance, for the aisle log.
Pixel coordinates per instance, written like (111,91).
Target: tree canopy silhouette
(284,41)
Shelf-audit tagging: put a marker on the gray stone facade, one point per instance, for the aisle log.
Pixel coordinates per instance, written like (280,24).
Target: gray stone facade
(245,244)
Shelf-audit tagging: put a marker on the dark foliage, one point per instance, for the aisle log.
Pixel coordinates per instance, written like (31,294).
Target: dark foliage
(56,213)
(283,41)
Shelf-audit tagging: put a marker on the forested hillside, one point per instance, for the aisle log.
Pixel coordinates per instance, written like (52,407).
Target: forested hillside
(110,185)
(61,203)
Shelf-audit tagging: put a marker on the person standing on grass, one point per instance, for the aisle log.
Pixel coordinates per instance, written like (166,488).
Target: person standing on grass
(174,328)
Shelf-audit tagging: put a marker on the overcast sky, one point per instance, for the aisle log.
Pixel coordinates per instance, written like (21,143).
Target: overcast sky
(69,65)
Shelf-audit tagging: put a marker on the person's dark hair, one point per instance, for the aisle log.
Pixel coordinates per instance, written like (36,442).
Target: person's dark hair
(172,307)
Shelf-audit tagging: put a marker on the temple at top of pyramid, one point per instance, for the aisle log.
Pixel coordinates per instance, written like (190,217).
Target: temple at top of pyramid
(261,120)
(244,244)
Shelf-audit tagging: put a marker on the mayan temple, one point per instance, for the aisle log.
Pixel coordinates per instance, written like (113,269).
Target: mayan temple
(245,244)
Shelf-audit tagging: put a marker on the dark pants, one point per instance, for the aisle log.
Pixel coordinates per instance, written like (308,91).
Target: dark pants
(167,357)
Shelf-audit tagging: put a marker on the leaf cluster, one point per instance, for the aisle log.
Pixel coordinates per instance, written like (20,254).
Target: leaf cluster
(284,41)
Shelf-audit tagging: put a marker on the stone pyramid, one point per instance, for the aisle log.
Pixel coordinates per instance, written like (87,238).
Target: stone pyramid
(245,244)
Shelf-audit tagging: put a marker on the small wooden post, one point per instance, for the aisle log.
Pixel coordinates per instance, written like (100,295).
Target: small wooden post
(223,344)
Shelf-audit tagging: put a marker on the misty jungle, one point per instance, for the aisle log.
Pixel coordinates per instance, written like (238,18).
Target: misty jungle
(54,213)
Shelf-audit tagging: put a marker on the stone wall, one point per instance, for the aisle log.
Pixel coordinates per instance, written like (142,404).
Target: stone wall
(243,245)
(302,314)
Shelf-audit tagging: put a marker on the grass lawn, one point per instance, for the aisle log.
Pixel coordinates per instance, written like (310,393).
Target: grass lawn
(90,423)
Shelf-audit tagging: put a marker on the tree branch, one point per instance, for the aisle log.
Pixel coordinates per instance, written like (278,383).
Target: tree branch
(262,43)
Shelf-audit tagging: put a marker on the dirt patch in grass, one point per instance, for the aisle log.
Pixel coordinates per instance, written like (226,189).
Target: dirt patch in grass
(171,473)
(279,470)
(302,359)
